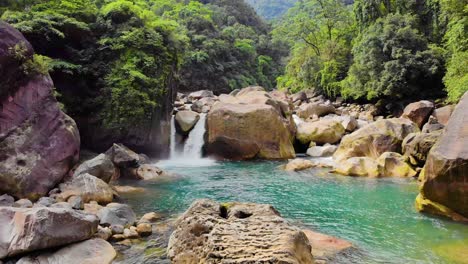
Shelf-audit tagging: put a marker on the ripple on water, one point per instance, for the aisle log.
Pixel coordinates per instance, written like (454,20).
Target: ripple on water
(377,215)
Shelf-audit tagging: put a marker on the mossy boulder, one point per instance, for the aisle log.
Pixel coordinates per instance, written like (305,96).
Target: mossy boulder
(395,165)
(359,166)
(372,140)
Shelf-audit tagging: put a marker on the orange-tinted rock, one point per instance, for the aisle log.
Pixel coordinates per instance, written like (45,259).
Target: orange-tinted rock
(443,114)
(418,112)
(445,175)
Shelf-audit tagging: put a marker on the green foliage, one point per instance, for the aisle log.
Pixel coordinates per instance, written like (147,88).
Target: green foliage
(392,59)
(271,9)
(320,33)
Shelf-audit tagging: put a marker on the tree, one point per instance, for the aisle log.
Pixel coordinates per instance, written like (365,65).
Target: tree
(320,33)
(392,59)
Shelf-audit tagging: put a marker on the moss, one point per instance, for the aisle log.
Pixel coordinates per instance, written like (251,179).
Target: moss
(155,252)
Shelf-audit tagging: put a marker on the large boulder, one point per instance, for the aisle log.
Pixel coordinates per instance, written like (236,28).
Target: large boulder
(123,157)
(418,112)
(326,247)
(29,229)
(395,165)
(416,146)
(38,143)
(247,131)
(445,175)
(92,251)
(88,187)
(315,109)
(209,232)
(100,166)
(443,114)
(359,166)
(376,138)
(117,214)
(320,132)
(186,121)
(323,151)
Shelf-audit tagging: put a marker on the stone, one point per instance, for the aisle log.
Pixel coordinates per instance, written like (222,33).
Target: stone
(123,157)
(100,166)
(92,251)
(418,112)
(186,121)
(45,202)
(324,246)
(432,127)
(318,109)
(349,123)
(320,132)
(443,114)
(250,89)
(394,165)
(92,207)
(88,187)
(25,229)
(149,218)
(128,189)
(238,132)
(117,214)
(375,138)
(299,165)
(416,146)
(228,99)
(117,238)
(117,229)
(200,94)
(148,172)
(103,233)
(23,203)
(299,96)
(61,205)
(358,166)
(236,233)
(130,233)
(6,200)
(76,202)
(144,229)
(39,143)
(324,151)
(444,177)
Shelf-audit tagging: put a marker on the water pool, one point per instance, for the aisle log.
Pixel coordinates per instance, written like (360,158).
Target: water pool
(377,215)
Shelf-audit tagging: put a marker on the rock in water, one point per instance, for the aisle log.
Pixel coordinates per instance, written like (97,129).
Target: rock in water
(359,166)
(117,214)
(93,251)
(299,165)
(38,142)
(444,189)
(28,229)
(246,131)
(100,166)
(209,232)
(185,121)
(376,138)
(418,112)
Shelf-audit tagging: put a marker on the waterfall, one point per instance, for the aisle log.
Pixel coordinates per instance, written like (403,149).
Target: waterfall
(194,144)
(191,154)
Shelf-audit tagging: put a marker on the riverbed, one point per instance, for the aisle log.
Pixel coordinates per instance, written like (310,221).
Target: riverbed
(377,215)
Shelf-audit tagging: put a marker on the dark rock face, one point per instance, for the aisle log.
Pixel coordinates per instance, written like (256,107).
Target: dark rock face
(25,230)
(100,166)
(38,142)
(444,190)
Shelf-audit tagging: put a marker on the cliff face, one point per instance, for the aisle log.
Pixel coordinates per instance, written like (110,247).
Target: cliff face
(38,142)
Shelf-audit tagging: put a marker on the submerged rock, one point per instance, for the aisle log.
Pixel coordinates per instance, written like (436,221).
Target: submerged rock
(39,143)
(324,246)
(445,175)
(376,138)
(25,230)
(209,232)
(299,165)
(93,251)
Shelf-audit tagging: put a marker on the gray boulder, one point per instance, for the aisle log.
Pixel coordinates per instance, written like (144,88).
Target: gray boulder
(100,166)
(29,229)
(88,187)
(117,214)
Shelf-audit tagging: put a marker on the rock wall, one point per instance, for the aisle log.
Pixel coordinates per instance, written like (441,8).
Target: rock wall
(38,142)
